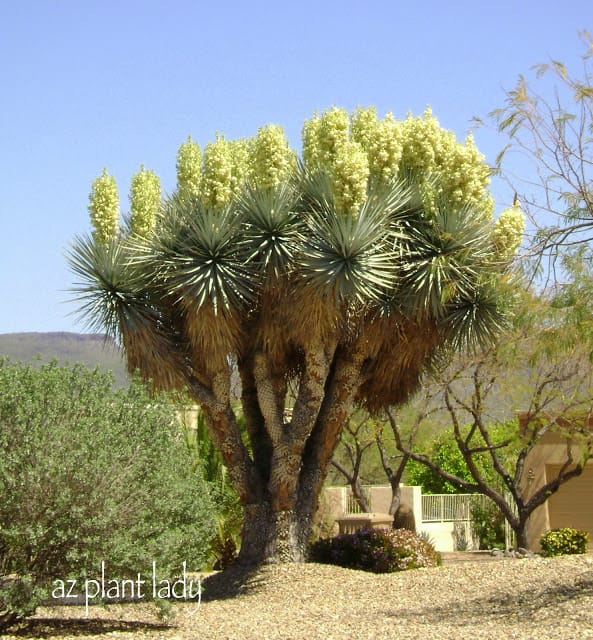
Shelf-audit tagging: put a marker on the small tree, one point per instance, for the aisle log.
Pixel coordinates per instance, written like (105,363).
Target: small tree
(446,454)
(363,457)
(358,437)
(542,365)
(355,461)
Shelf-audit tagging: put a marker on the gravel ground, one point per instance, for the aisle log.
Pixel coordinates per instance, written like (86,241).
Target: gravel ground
(536,598)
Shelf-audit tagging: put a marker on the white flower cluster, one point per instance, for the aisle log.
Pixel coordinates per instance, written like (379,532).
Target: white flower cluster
(508,231)
(323,135)
(145,200)
(380,139)
(189,168)
(327,145)
(353,148)
(218,172)
(446,168)
(271,156)
(241,163)
(104,207)
(226,165)
(349,177)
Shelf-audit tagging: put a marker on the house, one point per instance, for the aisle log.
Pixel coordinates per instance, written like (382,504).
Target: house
(572,504)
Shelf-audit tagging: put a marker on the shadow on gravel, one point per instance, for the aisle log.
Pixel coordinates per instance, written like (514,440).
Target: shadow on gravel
(234,581)
(50,627)
(524,605)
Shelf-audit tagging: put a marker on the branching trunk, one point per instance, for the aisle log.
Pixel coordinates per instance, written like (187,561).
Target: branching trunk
(341,388)
(280,481)
(353,478)
(394,477)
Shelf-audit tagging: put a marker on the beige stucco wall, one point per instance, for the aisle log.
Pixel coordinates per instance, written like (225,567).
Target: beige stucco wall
(334,502)
(540,466)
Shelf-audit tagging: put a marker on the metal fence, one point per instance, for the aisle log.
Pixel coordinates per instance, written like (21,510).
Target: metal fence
(448,507)
(352,505)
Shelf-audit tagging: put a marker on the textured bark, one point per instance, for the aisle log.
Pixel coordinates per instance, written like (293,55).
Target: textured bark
(335,410)
(259,438)
(288,452)
(280,486)
(273,536)
(269,403)
(280,479)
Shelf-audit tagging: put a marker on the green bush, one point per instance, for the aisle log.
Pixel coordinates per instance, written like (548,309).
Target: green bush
(487,524)
(445,453)
(91,474)
(376,550)
(563,541)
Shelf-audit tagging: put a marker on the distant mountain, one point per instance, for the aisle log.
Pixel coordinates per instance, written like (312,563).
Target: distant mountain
(90,349)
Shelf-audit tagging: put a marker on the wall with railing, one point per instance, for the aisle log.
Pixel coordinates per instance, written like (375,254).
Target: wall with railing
(445,518)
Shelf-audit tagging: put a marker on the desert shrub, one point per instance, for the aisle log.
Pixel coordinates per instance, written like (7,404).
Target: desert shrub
(487,524)
(563,541)
(91,474)
(376,550)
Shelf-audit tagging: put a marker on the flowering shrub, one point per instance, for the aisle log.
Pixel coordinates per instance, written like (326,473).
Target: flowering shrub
(563,541)
(376,550)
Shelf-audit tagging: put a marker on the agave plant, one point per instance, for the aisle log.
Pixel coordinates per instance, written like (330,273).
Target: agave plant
(319,309)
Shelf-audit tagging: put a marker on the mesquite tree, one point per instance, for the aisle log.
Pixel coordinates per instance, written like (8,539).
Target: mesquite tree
(548,121)
(327,281)
(362,437)
(540,367)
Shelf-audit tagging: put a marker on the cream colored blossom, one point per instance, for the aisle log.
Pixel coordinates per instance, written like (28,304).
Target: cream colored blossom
(240,154)
(189,168)
(218,173)
(272,157)
(323,135)
(508,231)
(104,207)
(446,169)
(349,177)
(381,141)
(145,200)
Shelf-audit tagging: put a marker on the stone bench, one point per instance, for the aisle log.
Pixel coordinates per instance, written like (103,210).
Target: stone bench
(354,521)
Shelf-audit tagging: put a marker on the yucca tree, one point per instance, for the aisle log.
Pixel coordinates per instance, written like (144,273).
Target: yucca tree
(320,309)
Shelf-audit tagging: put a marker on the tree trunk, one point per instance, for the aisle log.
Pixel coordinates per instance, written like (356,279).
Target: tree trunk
(270,536)
(396,496)
(521,531)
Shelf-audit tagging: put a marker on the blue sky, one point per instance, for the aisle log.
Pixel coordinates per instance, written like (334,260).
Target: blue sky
(88,84)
